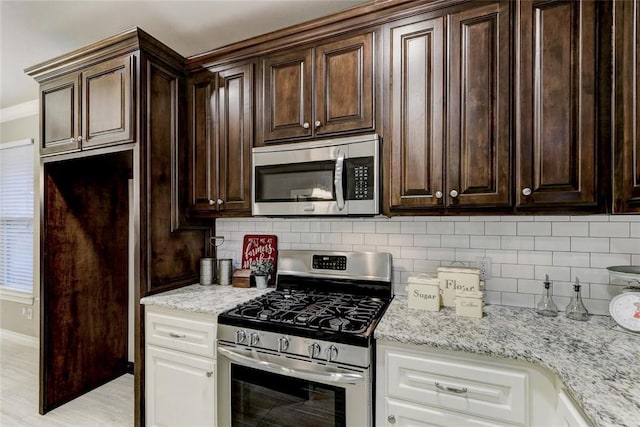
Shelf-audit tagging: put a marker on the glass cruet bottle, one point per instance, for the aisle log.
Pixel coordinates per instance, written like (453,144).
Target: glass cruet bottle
(546,306)
(576,309)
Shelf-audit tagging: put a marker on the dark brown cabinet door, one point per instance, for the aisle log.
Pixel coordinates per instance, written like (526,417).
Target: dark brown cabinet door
(555,104)
(471,167)
(478,170)
(221,115)
(287,95)
(59,115)
(417,125)
(203,155)
(235,138)
(107,95)
(344,85)
(627,107)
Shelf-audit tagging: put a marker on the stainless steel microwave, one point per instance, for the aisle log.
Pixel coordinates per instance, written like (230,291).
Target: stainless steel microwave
(327,177)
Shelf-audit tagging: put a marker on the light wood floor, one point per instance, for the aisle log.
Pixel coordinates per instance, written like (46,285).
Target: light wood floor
(107,406)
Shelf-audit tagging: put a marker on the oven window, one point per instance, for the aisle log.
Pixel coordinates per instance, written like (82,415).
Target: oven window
(298,182)
(261,398)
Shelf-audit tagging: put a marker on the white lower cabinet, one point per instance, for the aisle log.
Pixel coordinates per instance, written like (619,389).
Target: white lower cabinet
(568,414)
(421,386)
(180,368)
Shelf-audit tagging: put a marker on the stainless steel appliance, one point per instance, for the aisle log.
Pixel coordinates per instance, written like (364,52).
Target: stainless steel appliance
(301,355)
(328,177)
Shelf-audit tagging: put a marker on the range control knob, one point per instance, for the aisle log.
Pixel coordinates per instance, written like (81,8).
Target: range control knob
(283,344)
(332,353)
(240,336)
(314,350)
(254,338)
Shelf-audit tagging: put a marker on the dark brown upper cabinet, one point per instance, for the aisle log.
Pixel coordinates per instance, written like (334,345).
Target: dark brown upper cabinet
(626,185)
(318,91)
(449,112)
(88,108)
(221,115)
(556,104)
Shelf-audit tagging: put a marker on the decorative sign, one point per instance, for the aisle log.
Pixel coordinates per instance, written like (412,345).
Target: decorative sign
(257,247)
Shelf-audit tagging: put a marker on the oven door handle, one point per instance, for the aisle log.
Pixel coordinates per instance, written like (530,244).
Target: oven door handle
(246,358)
(337,180)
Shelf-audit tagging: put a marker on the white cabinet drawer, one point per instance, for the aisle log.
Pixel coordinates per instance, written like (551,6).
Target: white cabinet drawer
(484,389)
(189,332)
(404,414)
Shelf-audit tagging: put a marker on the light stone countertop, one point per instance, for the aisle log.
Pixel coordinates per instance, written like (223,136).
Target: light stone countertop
(213,299)
(598,363)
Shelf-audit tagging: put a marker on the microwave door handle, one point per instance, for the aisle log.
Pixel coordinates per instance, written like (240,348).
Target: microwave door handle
(246,358)
(337,180)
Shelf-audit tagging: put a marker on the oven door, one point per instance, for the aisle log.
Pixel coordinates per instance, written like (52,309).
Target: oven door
(263,389)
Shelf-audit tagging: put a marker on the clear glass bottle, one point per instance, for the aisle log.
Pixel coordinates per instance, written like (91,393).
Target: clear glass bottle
(546,306)
(576,309)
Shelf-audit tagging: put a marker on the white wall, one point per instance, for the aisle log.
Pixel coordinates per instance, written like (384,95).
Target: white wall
(522,248)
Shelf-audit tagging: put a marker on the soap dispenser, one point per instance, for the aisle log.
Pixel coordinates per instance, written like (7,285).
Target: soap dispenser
(576,309)
(546,306)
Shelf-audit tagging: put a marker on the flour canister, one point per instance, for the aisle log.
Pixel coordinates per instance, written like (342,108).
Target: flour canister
(423,292)
(454,279)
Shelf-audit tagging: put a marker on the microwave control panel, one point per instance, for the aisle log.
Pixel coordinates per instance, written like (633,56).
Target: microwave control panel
(359,178)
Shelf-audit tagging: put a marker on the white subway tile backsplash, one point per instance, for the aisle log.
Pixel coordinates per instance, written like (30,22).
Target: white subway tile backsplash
(571,259)
(630,246)
(609,229)
(578,229)
(534,229)
(522,248)
(597,306)
(500,228)
(552,243)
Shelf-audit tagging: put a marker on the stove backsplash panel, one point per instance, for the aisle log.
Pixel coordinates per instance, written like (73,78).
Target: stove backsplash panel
(522,249)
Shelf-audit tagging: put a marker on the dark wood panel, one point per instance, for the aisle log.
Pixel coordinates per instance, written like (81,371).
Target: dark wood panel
(627,107)
(171,255)
(203,156)
(417,124)
(235,127)
(286,99)
(107,96)
(59,115)
(478,117)
(344,85)
(84,280)
(556,119)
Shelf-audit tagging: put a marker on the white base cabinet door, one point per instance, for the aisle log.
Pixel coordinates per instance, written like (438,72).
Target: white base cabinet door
(180,389)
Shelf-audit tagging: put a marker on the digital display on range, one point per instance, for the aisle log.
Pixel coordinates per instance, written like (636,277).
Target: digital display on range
(329,262)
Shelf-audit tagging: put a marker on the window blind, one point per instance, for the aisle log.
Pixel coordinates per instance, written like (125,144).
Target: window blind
(16,215)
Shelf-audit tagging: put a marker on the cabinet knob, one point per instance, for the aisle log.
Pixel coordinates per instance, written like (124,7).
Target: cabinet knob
(526,191)
(391,419)
(438,194)
(209,374)
(79,139)
(219,202)
(318,123)
(453,193)
(211,202)
(305,125)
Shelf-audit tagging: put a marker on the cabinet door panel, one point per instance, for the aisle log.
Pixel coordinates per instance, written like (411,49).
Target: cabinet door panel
(59,101)
(203,156)
(627,107)
(235,119)
(107,103)
(556,141)
(344,85)
(478,138)
(417,67)
(287,92)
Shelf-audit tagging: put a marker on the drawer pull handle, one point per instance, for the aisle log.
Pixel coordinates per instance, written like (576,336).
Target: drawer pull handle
(174,335)
(455,390)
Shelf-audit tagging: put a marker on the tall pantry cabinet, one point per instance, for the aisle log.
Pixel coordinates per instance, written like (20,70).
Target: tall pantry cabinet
(111,125)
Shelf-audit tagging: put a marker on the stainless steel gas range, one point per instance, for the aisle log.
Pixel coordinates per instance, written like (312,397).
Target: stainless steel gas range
(302,354)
